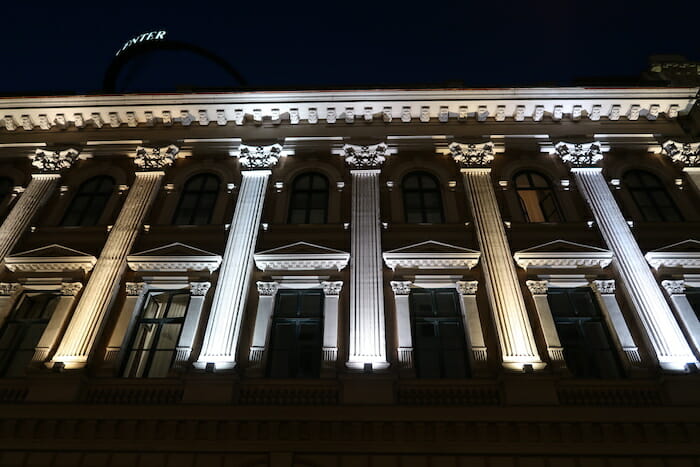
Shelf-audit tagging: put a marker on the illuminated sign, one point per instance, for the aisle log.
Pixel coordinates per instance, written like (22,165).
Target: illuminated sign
(148,36)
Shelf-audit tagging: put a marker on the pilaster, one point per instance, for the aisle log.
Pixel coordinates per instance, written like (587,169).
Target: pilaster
(135,295)
(605,293)
(538,289)
(402,290)
(263,321)
(331,292)
(686,315)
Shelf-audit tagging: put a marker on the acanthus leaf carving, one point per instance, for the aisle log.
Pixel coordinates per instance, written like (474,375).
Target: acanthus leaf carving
(687,154)
(155,158)
(135,288)
(604,286)
(365,157)
(199,288)
(467,287)
(54,161)
(674,287)
(472,155)
(259,157)
(401,287)
(537,287)
(332,287)
(9,288)
(267,288)
(579,154)
(71,288)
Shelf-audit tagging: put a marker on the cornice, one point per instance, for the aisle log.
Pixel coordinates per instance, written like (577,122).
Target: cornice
(50,263)
(538,257)
(173,263)
(673,259)
(310,258)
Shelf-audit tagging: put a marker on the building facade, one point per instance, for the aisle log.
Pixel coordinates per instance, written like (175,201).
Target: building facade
(501,277)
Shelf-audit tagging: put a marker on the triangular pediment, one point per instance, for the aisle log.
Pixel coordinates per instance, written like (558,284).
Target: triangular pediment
(173,257)
(684,246)
(299,248)
(174,249)
(562,246)
(431,246)
(685,254)
(49,251)
(431,255)
(49,259)
(562,254)
(301,256)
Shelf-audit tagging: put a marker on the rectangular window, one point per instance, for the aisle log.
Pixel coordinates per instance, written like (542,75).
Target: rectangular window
(22,331)
(584,335)
(693,296)
(439,344)
(297,334)
(155,336)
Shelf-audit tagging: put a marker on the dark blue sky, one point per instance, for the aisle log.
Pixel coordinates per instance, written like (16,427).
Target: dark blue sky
(65,47)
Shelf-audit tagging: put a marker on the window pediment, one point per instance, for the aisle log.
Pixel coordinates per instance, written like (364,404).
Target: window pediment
(301,256)
(174,257)
(561,254)
(51,258)
(431,255)
(685,254)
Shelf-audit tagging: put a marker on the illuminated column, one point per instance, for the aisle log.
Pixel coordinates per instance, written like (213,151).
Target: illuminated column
(224,326)
(263,320)
(687,154)
(135,294)
(198,294)
(685,312)
(331,293)
(367,327)
(517,342)
(34,196)
(58,319)
(472,323)
(665,336)
(89,316)
(402,291)
(538,289)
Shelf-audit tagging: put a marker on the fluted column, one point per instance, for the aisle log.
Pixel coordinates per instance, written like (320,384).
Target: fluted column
(263,320)
(518,348)
(331,293)
(367,327)
(686,314)
(665,336)
(402,291)
(223,329)
(92,309)
(40,188)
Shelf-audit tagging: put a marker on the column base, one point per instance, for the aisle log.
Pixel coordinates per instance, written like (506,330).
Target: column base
(680,366)
(60,365)
(214,366)
(524,367)
(367,367)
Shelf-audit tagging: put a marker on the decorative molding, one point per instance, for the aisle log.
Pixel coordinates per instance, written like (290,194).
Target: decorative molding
(604,286)
(174,257)
(687,154)
(550,255)
(431,255)
(405,356)
(472,155)
(674,287)
(537,287)
(255,357)
(267,288)
(259,157)
(54,161)
(9,288)
(135,288)
(365,157)
(332,288)
(156,158)
(199,288)
(51,258)
(580,154)
(467,287)
(685,254)
(71,288)
(301,256)
(401,287)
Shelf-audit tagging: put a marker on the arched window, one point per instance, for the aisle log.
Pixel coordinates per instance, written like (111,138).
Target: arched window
(536,196)
(651,197)
(90,201)
(6,185)
(197,201)
(309,201)
(422,201)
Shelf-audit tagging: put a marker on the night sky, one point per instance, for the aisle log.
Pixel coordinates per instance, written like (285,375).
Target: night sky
(65,47)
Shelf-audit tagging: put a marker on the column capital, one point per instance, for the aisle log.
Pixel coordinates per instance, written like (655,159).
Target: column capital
(199,288)
(674,287)
(604,287)
(471,155)
(135,288)
(371,156)
(467,287)
(156,158)
(332,288)
(267,288)
(580,155)
(9,288)
(71,288)
(54,161)
(688,154)
(401,287)
(537,287)
(259,157)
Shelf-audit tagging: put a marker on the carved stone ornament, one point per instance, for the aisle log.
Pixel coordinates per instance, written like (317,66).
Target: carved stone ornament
(674,287)
(365,157)
(9,288)
(537,287)
(199,288)
(687,154)
(472,155)
(579,154)
(604,286)
(267,288)
(54,161)
(71,288)
(259,157)
(467,287)
(134,288)
(401,287)
(155,158)
(332,288)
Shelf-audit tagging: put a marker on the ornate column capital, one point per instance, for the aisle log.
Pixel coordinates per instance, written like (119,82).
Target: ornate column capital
(580,155)
(9,288)
(365,157)
(71,288)
(674,287)
(135,288)
(259,157)
(401,287)
(467,287)
(470,156)
(267,288)
(155,158)
(687,154)
(199,288)
(604,286)
(537,287)
(332,288)
(54,161)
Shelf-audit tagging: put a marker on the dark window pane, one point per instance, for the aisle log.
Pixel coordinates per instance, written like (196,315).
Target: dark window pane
(651,198)
(89,202)
(422,199)
(309,199)
(197,201)
(538,201)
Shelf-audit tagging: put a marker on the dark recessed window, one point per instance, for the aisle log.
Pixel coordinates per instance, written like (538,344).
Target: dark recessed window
(6,185)
(153,344)
(538,202)
(309,201)
(439,345)
(422,200)
(197,201)
(693,295)
(297,334)
(651,197)
(22,330)
(583,333)
(89,203)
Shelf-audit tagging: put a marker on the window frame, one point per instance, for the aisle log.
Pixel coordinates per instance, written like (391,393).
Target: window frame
(308,193)
(648,191)
(555,216)
(199,193)
(92,196)
(421,192)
